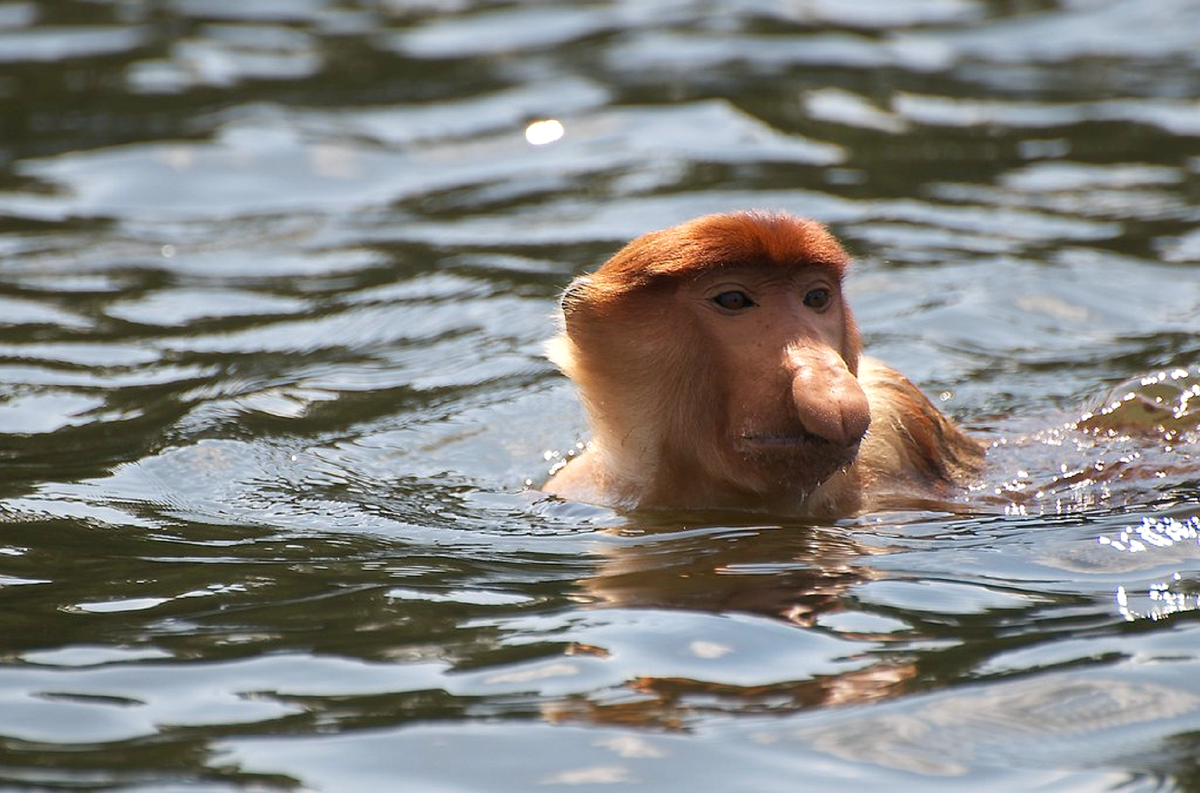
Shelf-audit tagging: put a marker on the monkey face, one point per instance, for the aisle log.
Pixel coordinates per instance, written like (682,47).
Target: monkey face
(793,409)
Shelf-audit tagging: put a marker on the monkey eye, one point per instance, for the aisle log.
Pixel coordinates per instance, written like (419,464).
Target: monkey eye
(733,300)
(817,299)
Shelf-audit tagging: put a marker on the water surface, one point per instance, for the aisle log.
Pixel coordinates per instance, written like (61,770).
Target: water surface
(274,283)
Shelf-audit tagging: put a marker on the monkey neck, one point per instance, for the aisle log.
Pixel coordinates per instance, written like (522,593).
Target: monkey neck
(652,468)
(648,462)
(674,482)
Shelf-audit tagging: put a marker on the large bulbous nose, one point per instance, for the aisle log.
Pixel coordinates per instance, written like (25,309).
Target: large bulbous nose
(829,401)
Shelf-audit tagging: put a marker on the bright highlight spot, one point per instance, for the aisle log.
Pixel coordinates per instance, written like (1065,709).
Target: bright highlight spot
(702,649)
(539,133)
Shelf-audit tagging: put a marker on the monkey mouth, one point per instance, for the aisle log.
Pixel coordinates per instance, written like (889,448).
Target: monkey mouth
(783,439)
(792,440)
(801,453)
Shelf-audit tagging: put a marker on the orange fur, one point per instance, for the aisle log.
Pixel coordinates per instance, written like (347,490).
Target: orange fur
(765,406)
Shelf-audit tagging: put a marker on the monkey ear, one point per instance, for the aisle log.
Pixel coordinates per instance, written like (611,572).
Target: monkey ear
(574,294)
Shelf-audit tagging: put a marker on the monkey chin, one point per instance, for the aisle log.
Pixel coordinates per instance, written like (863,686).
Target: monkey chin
(795,465)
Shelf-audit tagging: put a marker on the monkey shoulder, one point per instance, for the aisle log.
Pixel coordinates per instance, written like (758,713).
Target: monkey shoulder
(588,479)
(911,444)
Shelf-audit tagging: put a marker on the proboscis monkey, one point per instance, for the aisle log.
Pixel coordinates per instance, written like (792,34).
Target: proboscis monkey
(720,367)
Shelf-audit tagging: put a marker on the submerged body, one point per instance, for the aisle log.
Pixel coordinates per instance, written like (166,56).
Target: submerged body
(720,367)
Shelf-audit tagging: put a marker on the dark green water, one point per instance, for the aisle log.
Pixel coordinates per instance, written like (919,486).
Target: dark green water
(274,281)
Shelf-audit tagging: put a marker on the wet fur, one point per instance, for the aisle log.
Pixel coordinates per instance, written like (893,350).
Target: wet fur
(655,390)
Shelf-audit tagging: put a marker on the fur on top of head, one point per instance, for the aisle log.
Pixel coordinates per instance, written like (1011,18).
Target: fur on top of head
(740,238)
